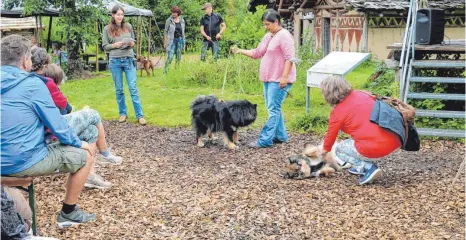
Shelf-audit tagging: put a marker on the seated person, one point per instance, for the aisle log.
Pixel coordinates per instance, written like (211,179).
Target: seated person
(40,61)
(86,123)
(54,73)
(26,108)
(14,206)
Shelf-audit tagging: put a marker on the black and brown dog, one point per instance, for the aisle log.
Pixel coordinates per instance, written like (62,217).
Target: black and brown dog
(209,115)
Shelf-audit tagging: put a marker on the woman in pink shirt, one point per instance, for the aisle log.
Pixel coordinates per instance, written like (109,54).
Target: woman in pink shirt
(276,51)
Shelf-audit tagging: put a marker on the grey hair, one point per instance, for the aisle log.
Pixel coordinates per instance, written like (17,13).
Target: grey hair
(39,58)
(335,89)
(13,49)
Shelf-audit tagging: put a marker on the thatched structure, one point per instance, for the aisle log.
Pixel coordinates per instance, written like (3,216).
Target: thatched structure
(398,5)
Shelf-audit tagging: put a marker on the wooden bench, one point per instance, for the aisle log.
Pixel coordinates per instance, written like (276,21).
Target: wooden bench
(26,184)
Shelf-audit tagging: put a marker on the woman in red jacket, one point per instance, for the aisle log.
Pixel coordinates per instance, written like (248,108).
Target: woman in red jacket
(351,113)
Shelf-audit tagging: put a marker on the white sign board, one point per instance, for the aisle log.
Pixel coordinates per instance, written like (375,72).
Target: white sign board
(336,63)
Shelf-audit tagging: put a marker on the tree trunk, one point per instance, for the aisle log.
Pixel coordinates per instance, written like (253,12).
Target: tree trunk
(75,65)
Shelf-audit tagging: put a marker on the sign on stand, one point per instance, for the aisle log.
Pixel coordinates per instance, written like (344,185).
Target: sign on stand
(334,64)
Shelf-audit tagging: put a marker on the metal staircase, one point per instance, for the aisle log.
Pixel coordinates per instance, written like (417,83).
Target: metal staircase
(409,65)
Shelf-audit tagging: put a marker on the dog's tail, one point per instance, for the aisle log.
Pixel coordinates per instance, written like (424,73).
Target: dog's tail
(202,99)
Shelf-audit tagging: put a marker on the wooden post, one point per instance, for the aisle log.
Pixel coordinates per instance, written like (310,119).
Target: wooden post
(49,33)
(140,36)
(337,32)
(138,43)
(149,37)
(97,49)
(326,35)
(365,33)
(36,34)
(40,32)
(297,29)
(312,33)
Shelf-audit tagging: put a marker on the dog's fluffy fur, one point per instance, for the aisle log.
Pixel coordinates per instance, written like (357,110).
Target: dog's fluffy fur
(310,164)
(209,115)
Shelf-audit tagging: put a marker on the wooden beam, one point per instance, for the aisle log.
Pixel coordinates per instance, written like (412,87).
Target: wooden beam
(336,6)
(280,5)
(302,4)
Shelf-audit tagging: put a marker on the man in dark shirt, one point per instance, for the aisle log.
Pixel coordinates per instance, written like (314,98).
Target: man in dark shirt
(212,28)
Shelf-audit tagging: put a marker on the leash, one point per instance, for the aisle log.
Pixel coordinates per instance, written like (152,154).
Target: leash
(225,78)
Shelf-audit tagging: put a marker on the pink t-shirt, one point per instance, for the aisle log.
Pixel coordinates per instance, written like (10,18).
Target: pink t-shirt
(274,51)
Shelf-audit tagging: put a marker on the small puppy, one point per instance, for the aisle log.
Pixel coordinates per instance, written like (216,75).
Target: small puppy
(310,164)
(146,65)
(209,115)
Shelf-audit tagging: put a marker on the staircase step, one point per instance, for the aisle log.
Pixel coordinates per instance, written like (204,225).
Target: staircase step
(438,79)
(441,132)
(439,113)
(438,64)
(439,96)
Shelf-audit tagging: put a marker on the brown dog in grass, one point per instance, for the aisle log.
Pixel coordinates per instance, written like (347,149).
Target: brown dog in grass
(147,64)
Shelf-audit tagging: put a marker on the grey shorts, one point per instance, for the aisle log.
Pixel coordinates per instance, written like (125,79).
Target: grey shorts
(61,159)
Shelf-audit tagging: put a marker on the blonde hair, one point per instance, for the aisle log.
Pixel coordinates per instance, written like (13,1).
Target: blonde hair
(54,72)
(335,89)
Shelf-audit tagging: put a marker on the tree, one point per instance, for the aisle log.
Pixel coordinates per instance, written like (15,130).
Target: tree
(79,18)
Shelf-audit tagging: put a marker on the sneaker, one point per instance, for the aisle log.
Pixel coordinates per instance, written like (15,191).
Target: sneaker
(253,145)
(39,238)
(110,159)
(142,121)
(276,141)
(74,218)
(96,181)
(355,171)
(372,173)
(122,119)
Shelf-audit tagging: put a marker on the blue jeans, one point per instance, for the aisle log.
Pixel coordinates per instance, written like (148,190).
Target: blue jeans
(215,45)
(175,48)
(275,126)
(117,67)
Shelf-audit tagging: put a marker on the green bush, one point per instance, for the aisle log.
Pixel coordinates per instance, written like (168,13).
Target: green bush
(241,73)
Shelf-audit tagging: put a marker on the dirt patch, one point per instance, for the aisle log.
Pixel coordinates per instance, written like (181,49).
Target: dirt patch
(167,188)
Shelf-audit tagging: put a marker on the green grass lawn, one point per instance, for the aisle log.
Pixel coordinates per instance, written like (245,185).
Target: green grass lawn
(167,105)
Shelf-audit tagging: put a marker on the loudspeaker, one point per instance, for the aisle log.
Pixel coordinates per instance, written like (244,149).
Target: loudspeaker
(430,26)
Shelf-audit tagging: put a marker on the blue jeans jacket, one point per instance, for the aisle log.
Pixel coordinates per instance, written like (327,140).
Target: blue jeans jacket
(389,118)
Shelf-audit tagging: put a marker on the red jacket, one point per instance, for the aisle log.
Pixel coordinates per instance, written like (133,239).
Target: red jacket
(352,116)
(58,98)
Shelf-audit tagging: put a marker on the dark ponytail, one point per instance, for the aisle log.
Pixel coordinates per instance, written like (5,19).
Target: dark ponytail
(271,16)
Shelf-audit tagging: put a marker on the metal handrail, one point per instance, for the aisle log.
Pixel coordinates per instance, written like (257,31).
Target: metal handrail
(408,25)
(408,46)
